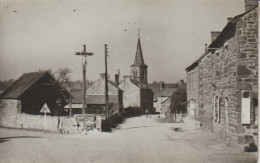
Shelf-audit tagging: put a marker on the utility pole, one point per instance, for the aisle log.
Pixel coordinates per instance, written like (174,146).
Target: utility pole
(84,55)
(106,90)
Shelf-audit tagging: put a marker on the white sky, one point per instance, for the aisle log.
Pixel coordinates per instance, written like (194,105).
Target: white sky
(43,34)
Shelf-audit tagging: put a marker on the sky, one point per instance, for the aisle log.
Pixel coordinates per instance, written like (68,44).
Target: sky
(45,34)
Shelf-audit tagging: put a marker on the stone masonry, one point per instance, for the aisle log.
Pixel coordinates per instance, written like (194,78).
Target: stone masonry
(227,70)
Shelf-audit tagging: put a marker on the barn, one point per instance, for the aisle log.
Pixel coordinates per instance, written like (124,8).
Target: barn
(31,91)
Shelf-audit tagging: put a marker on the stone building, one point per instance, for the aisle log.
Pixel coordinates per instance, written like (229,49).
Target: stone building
(223,83)
(163,91)
(137,95)
(96,103)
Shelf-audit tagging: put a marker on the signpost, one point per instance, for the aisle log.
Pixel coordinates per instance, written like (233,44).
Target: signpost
(45,110)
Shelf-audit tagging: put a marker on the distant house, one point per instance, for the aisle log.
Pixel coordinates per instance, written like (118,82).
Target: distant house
(162,91)
(31,91)
(137,96)
(96,102)
(165,105)
(76,103)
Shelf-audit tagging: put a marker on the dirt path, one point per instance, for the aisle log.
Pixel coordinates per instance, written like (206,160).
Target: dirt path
(138,139)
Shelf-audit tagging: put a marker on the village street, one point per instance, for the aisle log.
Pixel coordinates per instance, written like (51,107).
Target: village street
(138,139)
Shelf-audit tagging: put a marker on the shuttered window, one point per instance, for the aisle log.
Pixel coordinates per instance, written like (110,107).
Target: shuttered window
(245,109)
(216,109)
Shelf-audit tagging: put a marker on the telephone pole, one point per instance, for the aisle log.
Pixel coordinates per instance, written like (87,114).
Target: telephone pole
(84,55)
(106,90)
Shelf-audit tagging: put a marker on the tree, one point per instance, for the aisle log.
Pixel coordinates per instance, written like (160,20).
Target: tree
(178,102)
(5,84)
(63,75)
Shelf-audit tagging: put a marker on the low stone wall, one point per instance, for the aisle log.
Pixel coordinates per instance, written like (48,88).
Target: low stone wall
(53,123)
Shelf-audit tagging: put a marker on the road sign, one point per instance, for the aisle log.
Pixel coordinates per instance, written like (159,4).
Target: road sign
(45,109)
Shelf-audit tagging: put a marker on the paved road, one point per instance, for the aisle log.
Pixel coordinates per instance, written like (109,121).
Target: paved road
(138,139)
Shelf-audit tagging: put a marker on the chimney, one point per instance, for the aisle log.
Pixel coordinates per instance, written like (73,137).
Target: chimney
(181,82)
(229,19)
(117,79)
(250,4)
(214,35)
(206,48)
(161,85)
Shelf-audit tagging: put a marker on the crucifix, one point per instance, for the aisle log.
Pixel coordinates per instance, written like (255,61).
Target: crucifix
(84,55)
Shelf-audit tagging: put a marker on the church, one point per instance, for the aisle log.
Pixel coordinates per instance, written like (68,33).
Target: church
(137,96)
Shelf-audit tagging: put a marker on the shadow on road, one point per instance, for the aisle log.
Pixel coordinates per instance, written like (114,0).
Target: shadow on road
(4,139)
(134,127)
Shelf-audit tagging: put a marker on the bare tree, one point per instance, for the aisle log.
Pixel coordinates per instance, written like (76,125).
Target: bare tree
(63,75)
(178,102)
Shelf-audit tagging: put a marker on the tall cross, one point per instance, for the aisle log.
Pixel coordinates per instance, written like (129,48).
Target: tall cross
(84,55)
(138,32)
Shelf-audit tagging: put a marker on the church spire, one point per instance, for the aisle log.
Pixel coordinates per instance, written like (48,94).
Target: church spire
(139,60)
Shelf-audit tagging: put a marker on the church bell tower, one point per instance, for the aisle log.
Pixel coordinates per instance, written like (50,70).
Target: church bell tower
(139,68)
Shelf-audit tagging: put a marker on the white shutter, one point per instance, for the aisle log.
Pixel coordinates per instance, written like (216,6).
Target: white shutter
(245,110)
(192,106)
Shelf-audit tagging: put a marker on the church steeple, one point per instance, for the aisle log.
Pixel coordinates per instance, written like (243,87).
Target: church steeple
(139,68)
(139,60)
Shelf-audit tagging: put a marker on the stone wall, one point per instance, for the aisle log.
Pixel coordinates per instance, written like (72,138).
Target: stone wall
(11,116)
(146,100)
(223,75)
(193,91)
(131,95)
(98,88)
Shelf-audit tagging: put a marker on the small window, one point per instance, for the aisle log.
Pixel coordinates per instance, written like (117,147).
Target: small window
(246,95)
(135,73)
(255,106)
(216,109)
(245,108)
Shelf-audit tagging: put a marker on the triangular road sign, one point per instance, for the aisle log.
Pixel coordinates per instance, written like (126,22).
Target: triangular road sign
(45,109)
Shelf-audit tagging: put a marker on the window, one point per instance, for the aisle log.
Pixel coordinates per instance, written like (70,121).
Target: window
(135,73)
(226,112)
(245,108)
(216,109)
(255,106)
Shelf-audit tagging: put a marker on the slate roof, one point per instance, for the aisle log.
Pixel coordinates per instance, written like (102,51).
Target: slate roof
(166,99)
(93,99)
(168,89)
(139,60)
(15,90)
(101,100)
(77,97)
(227,33)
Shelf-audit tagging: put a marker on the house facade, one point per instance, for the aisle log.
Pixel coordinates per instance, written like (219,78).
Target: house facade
(96,103)
(137,95)
(223,83)
(162,91)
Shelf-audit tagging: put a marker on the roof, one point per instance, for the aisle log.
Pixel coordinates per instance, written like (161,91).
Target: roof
(136,82)
(166,99)
(114,84)
(227,33)
(139,60)
(101,100)
(77,97)
(27,80)
(16,89)
(167,90)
